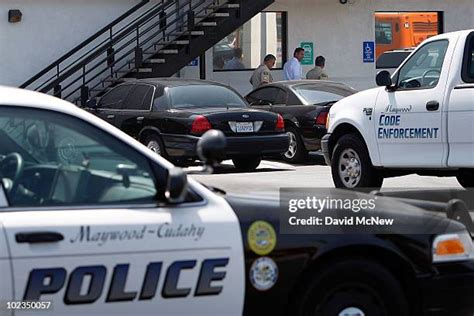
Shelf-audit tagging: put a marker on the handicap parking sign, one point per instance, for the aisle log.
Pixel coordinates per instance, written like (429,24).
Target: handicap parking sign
(368,52)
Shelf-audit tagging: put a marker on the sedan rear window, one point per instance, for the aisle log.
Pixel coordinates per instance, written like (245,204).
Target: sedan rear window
(198,96)
(316,95)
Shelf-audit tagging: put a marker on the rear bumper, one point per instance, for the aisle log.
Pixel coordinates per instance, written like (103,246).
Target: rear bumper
(450,291)
(325,148)
(185,145)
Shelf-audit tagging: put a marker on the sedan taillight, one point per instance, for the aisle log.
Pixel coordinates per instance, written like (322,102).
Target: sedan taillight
(321,119)
(200,125)
(280,125)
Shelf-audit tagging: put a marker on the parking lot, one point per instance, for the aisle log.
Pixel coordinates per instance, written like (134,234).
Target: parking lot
(271,175)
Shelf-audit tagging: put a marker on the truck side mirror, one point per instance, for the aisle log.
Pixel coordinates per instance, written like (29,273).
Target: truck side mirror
(383,79)
(211,147)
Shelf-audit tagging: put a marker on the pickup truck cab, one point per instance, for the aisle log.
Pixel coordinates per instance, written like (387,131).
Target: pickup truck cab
(421,119)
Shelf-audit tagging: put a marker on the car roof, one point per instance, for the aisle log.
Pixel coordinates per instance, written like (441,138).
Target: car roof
(176,82)
(315,83)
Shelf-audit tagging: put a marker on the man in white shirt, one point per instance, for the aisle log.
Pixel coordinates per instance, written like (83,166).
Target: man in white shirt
(292,68)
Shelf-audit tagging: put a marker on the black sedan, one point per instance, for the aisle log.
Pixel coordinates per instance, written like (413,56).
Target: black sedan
(304,105)
(169,115)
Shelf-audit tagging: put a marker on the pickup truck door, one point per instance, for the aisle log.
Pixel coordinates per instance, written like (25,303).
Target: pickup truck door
(461,113)
(409,129)
(87,231)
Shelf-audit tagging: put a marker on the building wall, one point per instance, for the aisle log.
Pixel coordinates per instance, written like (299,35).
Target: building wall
(338,32)
(48,30)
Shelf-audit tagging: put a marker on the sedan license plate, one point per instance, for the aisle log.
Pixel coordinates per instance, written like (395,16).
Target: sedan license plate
(244,127)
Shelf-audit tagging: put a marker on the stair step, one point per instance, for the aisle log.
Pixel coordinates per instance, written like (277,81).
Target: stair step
(178,42)
(225,6)
(207,23)
(155,61)
(143,70)
(193,33)
(169,51)
(214,15)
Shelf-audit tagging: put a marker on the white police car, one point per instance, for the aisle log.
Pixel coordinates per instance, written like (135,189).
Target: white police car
(94,223)
(420,121)
(89,217)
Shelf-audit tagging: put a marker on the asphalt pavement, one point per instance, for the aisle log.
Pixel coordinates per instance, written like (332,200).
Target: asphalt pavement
(271,175)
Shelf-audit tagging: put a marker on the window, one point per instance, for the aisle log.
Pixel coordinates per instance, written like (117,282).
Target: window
(113,99)
(265,96)
(245,48)
(468,63)
(423,69)
(50,159)
(392,60)
(204,96)
(317,95)
(383,33)
(139,98)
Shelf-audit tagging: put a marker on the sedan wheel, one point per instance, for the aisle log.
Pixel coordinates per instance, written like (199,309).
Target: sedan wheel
(296,151)
(154,143)
(293,146)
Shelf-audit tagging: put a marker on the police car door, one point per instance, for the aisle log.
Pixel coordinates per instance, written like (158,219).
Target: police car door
(409,129)
(87,233)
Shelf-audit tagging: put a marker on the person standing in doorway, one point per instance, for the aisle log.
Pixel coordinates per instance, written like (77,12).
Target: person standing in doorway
(292,69)
(318,72)
(262,75)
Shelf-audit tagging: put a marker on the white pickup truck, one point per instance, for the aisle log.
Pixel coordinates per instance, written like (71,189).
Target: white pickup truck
(420,120)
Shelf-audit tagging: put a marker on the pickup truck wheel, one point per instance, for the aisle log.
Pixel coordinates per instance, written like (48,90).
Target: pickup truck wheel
(351,167)
(154,143)
(296,151)
(352,287)
(246,163)
(466,178)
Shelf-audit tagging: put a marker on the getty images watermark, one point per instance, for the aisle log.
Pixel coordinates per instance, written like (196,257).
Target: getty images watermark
(331,211)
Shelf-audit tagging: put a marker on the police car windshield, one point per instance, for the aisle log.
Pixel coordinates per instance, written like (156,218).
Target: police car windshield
(200,96)
(317,95)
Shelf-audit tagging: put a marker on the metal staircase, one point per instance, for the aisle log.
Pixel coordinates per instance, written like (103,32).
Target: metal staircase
(152,39)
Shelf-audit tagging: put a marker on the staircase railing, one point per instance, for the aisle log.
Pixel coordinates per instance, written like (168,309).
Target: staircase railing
(111,54)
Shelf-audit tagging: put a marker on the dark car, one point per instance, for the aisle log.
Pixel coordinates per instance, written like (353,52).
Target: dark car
(169,115)
(391,60)
(304,105)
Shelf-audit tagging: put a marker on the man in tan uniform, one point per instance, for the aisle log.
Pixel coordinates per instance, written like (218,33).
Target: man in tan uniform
(262,75)
(318,72)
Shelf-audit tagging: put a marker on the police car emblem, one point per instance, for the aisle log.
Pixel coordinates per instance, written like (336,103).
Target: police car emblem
(261,238)
(245,115)
(263,273)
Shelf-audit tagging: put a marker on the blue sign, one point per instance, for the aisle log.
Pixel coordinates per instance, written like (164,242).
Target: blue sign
(368,52)
(195,62)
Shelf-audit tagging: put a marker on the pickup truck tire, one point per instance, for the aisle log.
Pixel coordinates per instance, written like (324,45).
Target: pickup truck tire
(296,151)
(466,178)
(351,166)
(352,287)
(247,163)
